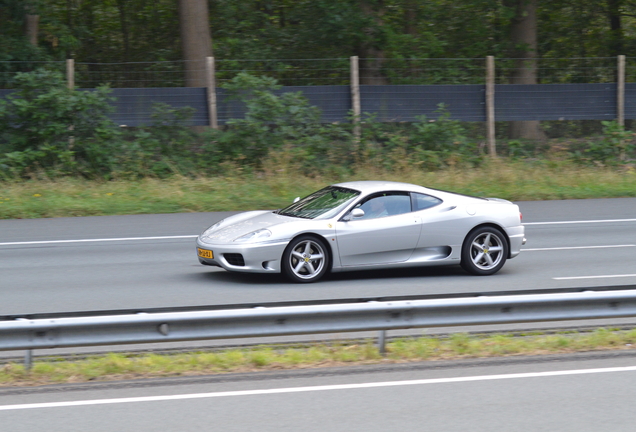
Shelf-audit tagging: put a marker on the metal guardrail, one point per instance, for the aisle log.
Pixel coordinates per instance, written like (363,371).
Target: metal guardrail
(353,300)
(30,334)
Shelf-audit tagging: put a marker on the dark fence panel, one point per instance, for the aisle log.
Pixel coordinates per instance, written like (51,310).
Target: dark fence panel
(630,100)
(333,100)
(394,103)
(555,102)
(133,106)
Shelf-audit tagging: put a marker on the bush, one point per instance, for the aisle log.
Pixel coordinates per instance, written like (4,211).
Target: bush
(36,135)
(164,147)
(270,120)
(44,125)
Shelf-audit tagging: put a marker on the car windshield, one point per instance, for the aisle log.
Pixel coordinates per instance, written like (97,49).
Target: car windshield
(323,204)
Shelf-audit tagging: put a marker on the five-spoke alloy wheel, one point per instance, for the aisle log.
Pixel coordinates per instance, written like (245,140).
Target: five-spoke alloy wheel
(306,259)
(484,251)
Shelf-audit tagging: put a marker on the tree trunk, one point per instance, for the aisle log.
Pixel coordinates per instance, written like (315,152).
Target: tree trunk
(370,54)
(121,5)
(31,28)
(616,32)
(523,36)
(196,42)
(410,17)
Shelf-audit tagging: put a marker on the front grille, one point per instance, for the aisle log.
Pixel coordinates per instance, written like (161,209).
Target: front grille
(234,259)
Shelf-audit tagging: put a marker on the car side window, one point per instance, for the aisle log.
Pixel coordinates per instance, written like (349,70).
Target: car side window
(423,201)
(386,204)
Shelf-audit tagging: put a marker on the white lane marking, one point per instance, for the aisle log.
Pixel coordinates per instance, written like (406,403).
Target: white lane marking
(315,388)
(96,240)
(580,222)
(577,247)
(594,277)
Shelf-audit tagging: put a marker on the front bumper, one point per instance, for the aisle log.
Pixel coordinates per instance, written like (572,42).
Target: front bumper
(250,258)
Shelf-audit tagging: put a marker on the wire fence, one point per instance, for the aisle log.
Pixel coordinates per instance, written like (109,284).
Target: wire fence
(9,69)
(336,71)
(131,75)
(569,88)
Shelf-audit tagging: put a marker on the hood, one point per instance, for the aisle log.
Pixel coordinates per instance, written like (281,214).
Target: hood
(244,223)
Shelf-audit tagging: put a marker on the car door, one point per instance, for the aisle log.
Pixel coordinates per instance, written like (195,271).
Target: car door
(385,237)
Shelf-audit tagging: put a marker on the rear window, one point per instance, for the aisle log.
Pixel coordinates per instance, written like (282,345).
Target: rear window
(422,201)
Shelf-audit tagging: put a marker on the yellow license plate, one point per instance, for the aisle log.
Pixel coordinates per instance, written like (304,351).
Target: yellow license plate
(204,253)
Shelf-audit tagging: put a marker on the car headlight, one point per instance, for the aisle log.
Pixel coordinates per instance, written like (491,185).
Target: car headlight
(212,228)
(254,235)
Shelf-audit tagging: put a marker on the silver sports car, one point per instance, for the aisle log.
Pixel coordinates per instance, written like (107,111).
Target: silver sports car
(367,225)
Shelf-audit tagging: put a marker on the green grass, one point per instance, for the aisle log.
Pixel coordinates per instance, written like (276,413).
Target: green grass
(277,186)
(262,358)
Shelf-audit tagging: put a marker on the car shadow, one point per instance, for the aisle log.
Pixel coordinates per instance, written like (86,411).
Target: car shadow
(271,280)
(403,273)
(227,277)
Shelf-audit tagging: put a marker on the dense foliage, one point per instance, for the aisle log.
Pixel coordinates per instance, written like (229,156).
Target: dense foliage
(108,31)
(45,124)
(49,130)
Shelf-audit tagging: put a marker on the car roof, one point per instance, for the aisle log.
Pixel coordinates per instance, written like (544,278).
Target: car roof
(370,186)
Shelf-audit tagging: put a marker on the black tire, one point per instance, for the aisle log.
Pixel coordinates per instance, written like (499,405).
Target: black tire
(306,259)
(485,251)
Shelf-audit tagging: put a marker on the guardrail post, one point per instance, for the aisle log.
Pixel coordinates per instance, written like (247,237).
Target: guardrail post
(28,360)
(382,342)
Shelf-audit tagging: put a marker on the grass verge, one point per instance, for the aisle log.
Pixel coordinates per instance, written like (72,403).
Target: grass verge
(275,188)
(262,358)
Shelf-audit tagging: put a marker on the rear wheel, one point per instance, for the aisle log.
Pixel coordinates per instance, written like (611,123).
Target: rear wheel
(484,251)
(306,259)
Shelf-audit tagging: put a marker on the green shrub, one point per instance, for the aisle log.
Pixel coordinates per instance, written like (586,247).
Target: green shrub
(36,135)
(613,148)
(270,121)
(44,125)
(164,147)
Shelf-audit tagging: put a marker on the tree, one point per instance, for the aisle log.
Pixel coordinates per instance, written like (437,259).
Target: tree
(370,49)
(523,36)
(19,24)
(196,42)
(31,27)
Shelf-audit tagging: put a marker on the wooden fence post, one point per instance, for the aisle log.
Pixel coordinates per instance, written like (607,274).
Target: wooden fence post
(490,105)
(70,83)
(70,73)
(620,91)
(355,96)
(211,90)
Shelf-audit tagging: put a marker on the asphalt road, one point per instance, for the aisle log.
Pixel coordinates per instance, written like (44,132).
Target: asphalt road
(121,262)
(145,261)
(71,264)
(577,394)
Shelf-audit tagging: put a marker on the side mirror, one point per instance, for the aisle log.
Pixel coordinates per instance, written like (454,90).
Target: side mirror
(355,213)
(296,199)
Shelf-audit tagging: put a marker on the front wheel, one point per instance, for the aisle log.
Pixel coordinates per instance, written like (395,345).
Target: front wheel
(306,259)
(484,251)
